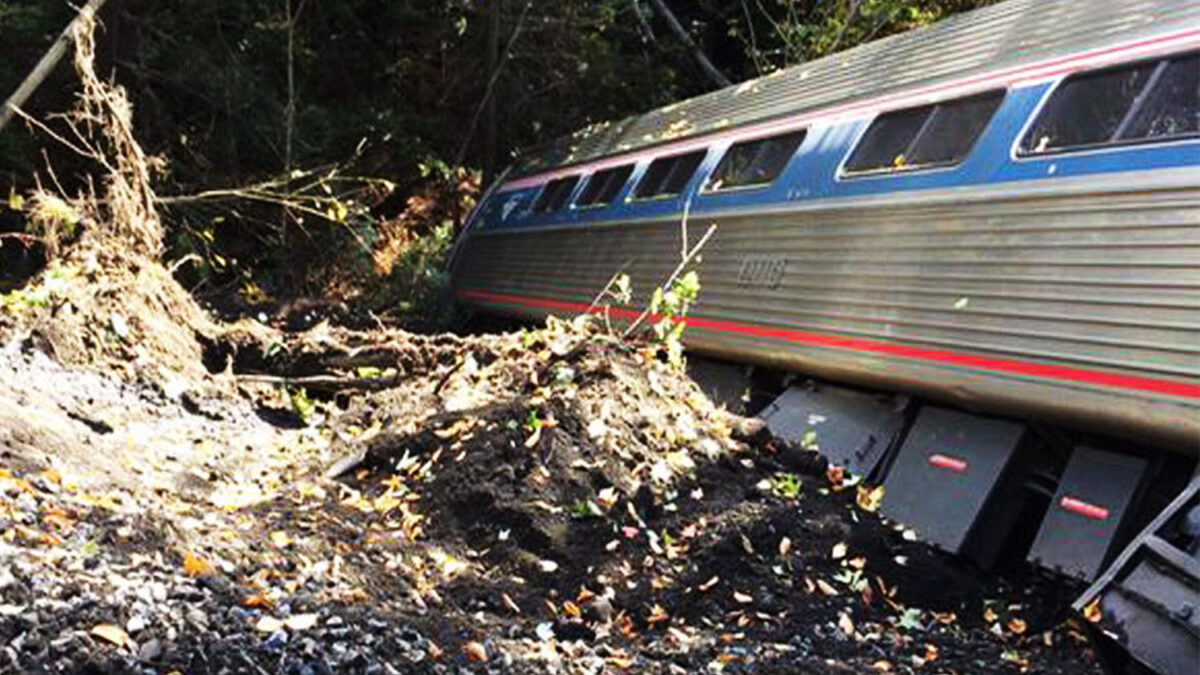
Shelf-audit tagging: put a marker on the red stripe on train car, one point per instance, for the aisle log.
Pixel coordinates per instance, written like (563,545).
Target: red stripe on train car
(947,462)
(1083,508)
(974,361)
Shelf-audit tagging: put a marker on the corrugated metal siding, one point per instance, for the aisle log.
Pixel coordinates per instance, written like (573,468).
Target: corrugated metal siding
(1107,281)
(993,38)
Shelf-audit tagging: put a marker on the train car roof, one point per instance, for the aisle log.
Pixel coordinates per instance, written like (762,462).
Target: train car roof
(1009,35)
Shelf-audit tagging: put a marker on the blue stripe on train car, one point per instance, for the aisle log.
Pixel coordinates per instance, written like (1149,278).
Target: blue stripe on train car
(813,173)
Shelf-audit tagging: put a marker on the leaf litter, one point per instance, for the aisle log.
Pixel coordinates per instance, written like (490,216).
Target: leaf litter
(454,519)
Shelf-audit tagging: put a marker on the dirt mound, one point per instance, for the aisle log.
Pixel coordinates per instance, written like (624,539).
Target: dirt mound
(555,500)
(587,492)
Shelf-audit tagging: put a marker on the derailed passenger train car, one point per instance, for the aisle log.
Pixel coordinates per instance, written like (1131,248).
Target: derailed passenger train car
(997,219)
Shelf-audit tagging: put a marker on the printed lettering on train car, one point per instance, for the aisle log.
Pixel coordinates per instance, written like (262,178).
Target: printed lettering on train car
(765,271)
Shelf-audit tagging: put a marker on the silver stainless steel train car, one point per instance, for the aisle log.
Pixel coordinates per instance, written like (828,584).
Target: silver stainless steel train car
(998,214)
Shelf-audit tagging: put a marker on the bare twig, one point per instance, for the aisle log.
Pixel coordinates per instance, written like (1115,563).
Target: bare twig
(26,239)
(491,86)
(324,382)
(687,260)
(850,14)
(608,286)
(644,25)
(86,153)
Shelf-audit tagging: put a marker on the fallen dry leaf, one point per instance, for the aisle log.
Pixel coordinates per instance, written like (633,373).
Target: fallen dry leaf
(607,497)
(1016,625)
(746,545)
(510,603)
(111,633)
(785,546)
(256,600)
(657,614)
(869,499)
(1091,611)
(52,475)
(826,588)
(475,651)
(839,551)
(197,566)
(846,624)
(742,598)
(298,622)
(620,663)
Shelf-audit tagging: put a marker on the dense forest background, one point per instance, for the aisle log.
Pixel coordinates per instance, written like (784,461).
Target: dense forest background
(316,148)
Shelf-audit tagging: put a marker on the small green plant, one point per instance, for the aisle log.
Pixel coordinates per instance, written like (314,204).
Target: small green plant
(52,219)
(21,300)
(302,404)
(585,509)
(671,308)
(373,373)
(786,485)
(854,579)
(532,421)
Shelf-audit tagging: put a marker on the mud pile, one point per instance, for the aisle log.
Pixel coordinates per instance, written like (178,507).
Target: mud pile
(551,500)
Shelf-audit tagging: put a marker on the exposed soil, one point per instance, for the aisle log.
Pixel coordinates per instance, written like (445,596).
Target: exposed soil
(545,501)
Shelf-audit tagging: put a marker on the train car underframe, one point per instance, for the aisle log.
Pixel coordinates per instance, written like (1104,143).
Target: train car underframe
(1119,514)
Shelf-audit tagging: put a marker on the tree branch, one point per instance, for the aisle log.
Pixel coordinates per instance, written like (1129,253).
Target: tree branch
(701,59)
(46,65)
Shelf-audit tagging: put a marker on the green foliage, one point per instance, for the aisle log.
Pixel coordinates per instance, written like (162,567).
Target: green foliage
(786,486)
(302,405)
(585,509)
(419,281)
(22,299)
(774,35)
(671,308)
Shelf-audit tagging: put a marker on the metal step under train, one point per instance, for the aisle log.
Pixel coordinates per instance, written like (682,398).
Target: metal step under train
(967,482)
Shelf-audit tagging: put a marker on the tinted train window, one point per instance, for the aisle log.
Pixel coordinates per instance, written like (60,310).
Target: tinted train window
(923,137)
(604,186)
(755,163)
(1151,100)
(668,175)
(555,194)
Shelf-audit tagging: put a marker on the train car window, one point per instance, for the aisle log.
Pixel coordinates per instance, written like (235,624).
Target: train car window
(668,176)
(1172,105)
(554,196)
(1146,101)
(952,130)
(755,163)
(925,136)
(604,186)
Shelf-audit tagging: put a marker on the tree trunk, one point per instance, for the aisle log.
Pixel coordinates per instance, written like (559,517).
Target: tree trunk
(490,142)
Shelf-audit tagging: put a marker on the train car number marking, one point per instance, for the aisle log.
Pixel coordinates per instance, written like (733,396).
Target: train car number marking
(766,271)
